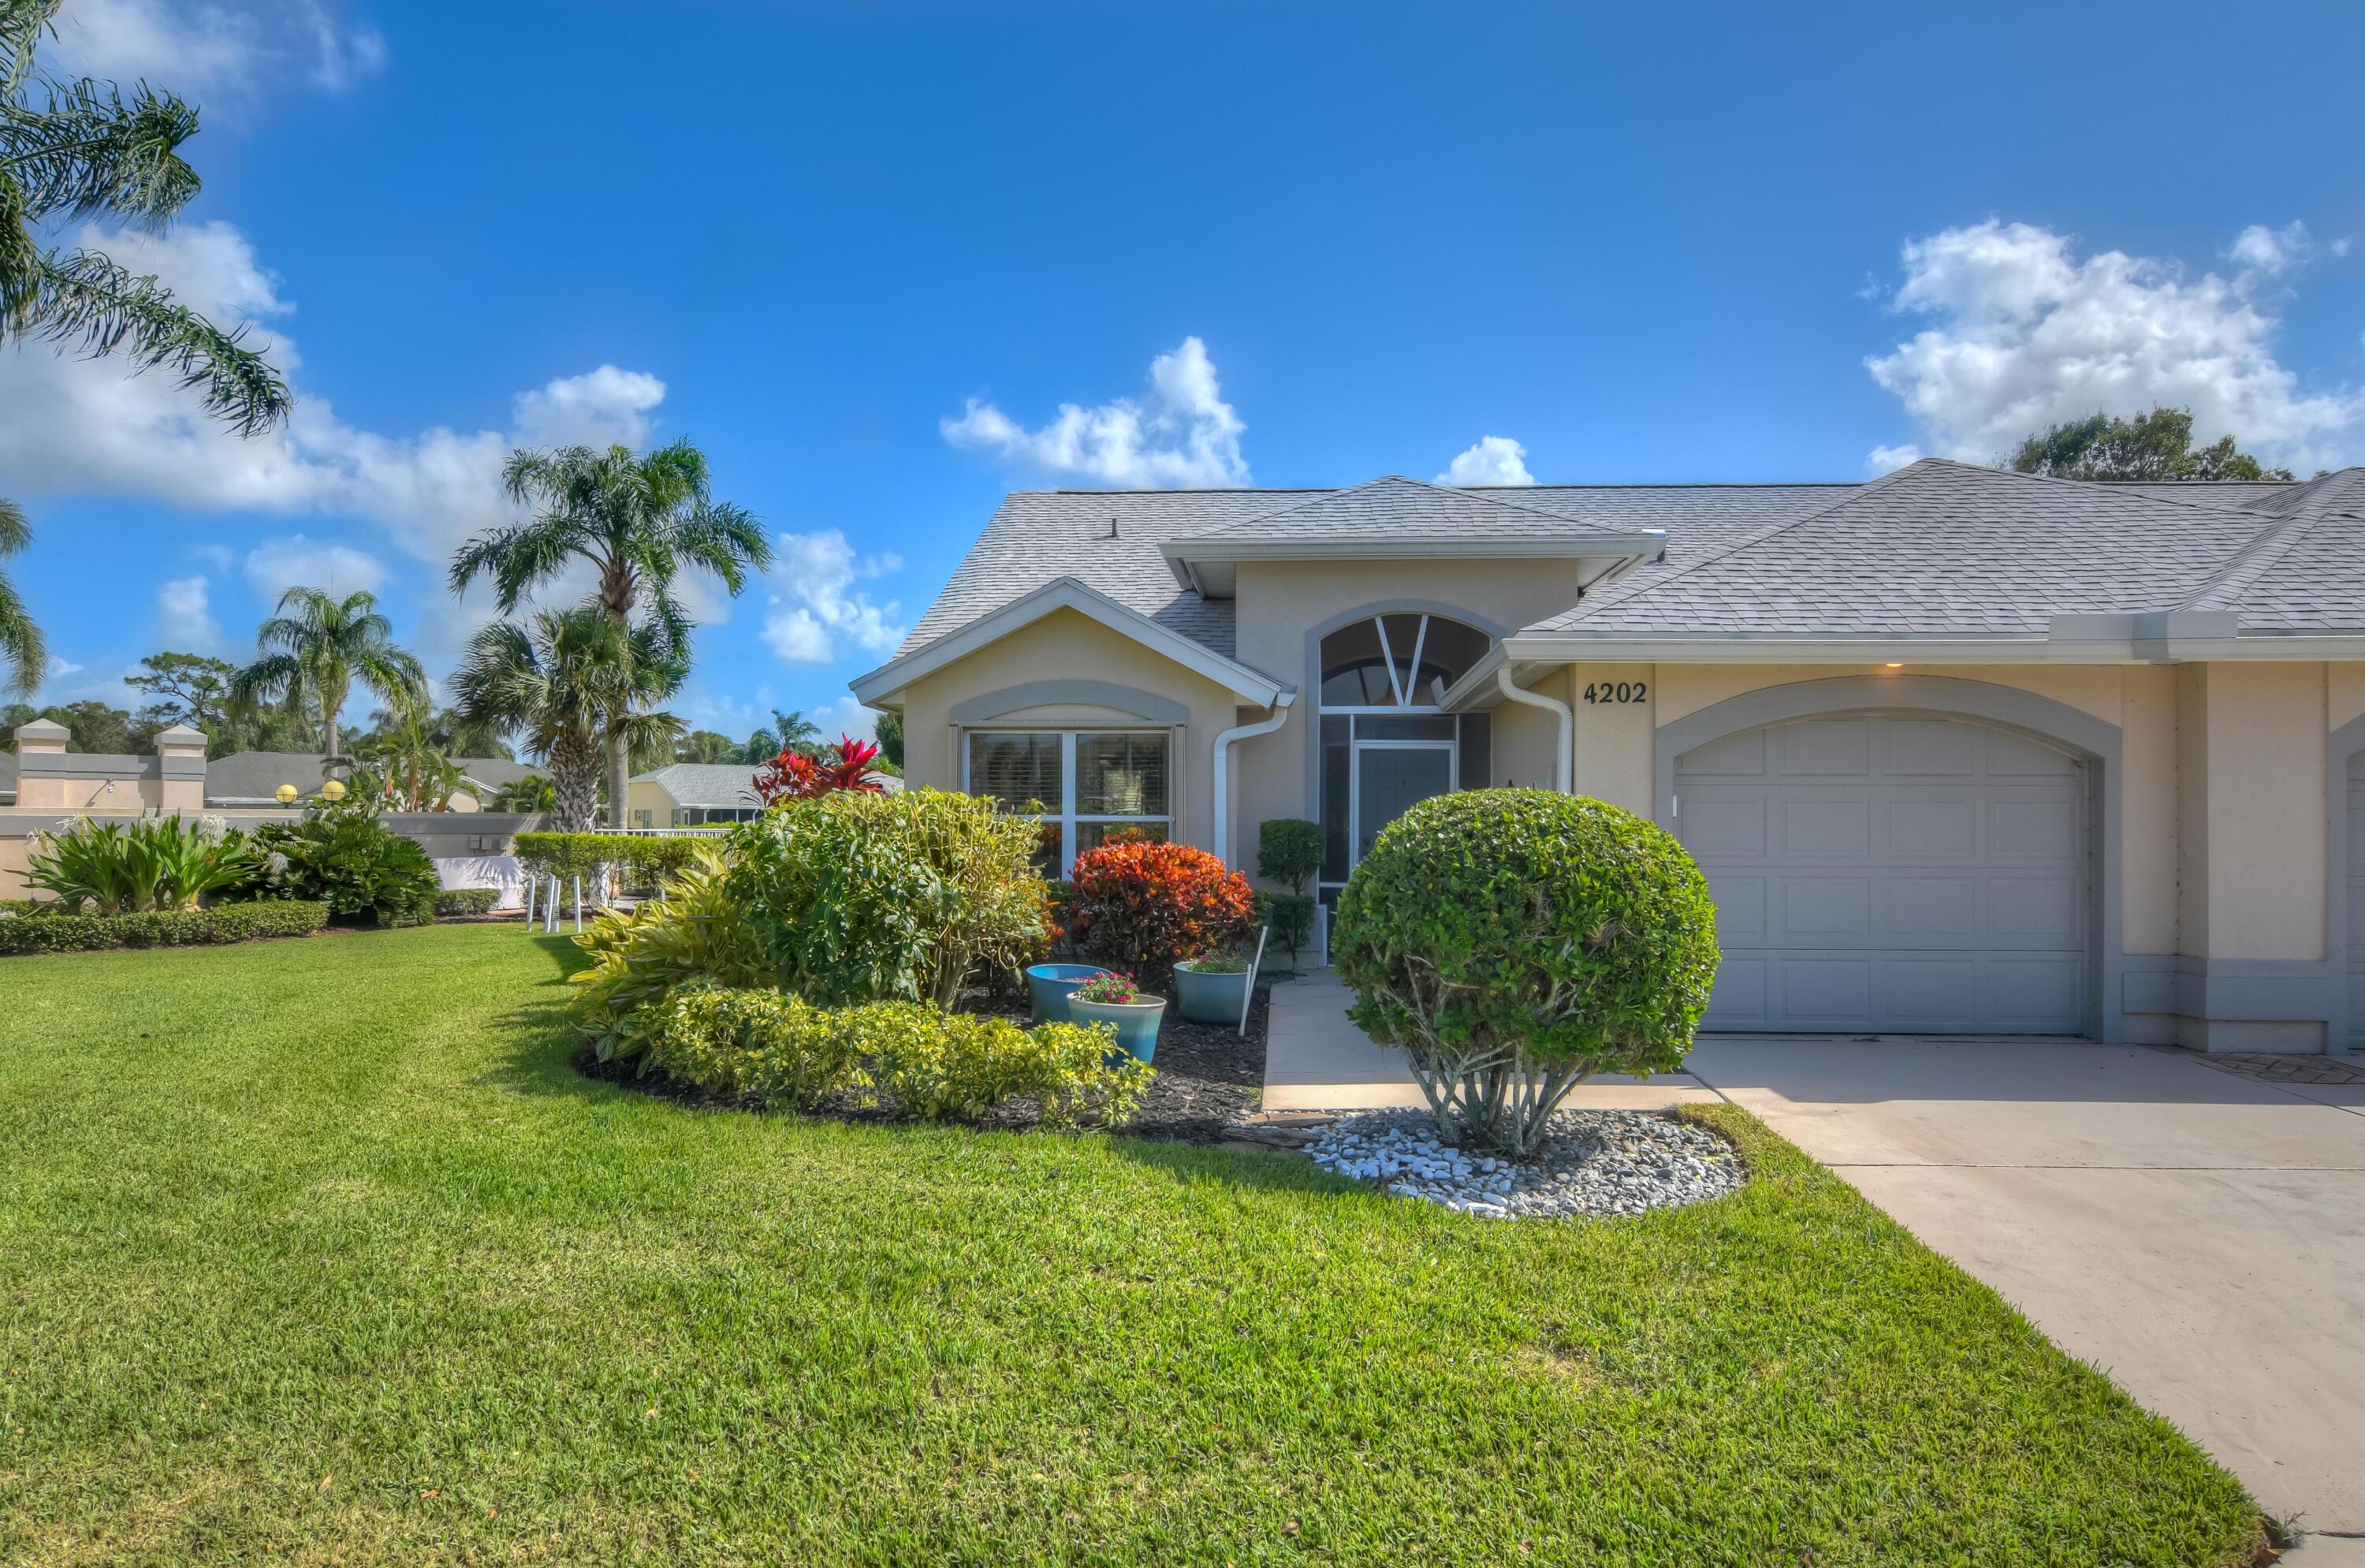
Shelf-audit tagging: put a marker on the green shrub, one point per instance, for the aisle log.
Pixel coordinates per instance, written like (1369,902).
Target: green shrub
(1289,851)
(158,928)
(756,1042)
(692,935)
(1517,942)
(156,863)
(454,902)
(856,897)
(344,856)
(1290,918)
(647,860)
(925,1062)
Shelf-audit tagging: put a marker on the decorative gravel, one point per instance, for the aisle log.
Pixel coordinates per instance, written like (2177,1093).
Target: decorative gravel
(1598,1162)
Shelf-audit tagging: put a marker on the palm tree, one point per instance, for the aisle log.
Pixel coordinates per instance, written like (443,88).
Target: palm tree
(407,753)
(74,150)
(319,652)
(790,730)
(558,681)
(21,646)
(638,520)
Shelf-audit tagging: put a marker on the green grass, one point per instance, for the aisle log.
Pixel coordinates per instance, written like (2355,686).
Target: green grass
(317,1252)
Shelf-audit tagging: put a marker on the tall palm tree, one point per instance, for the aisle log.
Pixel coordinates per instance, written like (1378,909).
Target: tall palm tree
(558,681)
(21,645)
(318,651)
(638,520)
(409,755)
(72,151)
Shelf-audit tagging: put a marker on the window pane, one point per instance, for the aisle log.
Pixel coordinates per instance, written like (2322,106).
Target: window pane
(1451,648)
(1404,637)
(1121,776)
(1380,729)
(1477,753)
(1089,835)
(1014,769)
(1353,675)
(1336,779)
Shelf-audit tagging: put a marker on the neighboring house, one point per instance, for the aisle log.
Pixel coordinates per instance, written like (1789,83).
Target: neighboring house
(253,778)
(1959,749)
(688,794)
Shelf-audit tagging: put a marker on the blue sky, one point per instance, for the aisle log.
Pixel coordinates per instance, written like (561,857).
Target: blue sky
(863,254)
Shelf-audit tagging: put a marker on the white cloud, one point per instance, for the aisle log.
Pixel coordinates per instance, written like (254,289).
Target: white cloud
(815,606)
(1182,436)
(184,619)
(2269,252)
(211,50)
(60,667)
(2026,334)
(277,564)
(1887,459)
(1496,460)
(845,717)
(81,426)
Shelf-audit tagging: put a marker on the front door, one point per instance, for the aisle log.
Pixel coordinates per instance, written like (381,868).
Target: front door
(1391,777)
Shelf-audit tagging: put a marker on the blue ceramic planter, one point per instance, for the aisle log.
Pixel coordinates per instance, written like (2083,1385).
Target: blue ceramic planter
(1050,985)
(1136,1022)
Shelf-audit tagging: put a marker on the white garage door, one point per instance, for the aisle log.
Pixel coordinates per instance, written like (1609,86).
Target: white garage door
(2357,901)
(1892,874)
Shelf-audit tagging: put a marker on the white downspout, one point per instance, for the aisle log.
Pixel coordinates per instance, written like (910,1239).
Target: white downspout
(1564,765)
(1264,727)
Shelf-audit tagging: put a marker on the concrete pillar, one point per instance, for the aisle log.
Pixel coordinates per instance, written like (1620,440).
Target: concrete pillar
(180,771)
(39,787)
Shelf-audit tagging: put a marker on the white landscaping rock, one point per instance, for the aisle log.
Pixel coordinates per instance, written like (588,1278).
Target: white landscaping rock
(1597,1162)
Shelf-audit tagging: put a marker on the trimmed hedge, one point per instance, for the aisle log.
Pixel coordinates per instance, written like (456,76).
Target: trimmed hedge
(646,857)
(454,902)
(926,1063)
(187,928)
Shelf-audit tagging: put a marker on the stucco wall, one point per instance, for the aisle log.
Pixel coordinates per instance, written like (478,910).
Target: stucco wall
(1065,645)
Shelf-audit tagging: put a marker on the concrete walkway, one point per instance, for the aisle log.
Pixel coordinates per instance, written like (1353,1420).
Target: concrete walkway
(2198,1235)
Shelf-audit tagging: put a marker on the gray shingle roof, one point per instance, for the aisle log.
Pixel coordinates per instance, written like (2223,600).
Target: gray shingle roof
(2307,572)
(1940,547)
(1395,507)
(706,783)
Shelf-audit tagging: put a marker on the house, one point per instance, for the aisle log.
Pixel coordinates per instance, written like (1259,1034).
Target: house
(1960,750)
(690,795)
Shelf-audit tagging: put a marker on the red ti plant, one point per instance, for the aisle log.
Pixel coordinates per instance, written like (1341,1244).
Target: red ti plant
(796,776)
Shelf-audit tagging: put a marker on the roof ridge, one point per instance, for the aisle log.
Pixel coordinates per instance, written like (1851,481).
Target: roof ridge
(2116,490)
(1744,543)
(2274,542)
(1456,491)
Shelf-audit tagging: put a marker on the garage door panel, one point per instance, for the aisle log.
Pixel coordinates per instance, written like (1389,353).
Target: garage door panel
(1898,873)
(1824,748)
(1929,747)
(1828,826)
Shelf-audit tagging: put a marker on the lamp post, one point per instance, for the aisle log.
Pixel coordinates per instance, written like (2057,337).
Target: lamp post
(333,790)
(285,794)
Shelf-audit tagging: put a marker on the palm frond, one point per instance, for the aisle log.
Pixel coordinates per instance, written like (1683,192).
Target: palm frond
(88,302)
(22,23)
(88,152)
(15,528)
(22,647)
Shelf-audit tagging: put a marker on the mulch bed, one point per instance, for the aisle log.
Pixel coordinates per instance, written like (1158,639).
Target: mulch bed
(1208,1077)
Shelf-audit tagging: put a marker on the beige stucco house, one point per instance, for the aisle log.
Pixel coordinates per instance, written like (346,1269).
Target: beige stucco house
(1960,750)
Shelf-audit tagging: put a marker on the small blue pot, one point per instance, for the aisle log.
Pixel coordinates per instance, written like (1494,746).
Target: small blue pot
(1136,1022)
(1050,985)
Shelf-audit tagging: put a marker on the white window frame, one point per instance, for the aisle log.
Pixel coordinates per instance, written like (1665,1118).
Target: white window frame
(1066,816)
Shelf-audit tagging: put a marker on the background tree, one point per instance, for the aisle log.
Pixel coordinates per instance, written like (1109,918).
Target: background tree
(188,688)
(93,727)
(706,746)
(2156,446)
(318,651)
(890,738)
(556,680)
(790,730)
(407,756)
(638,521)
(22,649)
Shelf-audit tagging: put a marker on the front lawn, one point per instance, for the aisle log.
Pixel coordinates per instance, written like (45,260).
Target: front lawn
(318,1251)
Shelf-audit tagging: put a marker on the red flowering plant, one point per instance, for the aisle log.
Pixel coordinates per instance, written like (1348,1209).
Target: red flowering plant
(801,775)
(1142,906)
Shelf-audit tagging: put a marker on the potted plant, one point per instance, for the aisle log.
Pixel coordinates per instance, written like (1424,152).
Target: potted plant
(1048,987)
(1214,988)
(1113,999)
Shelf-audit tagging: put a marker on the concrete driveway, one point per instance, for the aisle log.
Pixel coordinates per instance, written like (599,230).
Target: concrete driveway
(2199,1236)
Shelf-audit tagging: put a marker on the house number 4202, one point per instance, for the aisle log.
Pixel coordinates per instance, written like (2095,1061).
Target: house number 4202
(1619,691)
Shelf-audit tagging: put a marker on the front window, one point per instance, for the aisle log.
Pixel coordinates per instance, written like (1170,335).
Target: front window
(1085,784)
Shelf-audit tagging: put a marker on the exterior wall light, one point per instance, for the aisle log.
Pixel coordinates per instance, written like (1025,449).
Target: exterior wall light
(285,794)
(1892,667)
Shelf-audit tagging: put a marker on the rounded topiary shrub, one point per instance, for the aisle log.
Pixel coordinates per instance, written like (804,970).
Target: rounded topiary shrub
(1515,942)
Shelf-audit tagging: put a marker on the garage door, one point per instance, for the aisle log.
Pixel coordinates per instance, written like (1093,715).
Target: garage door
(2357,901)
(1888,873)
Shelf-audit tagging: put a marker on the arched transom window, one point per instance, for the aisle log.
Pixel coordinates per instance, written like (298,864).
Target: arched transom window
(1397,660)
